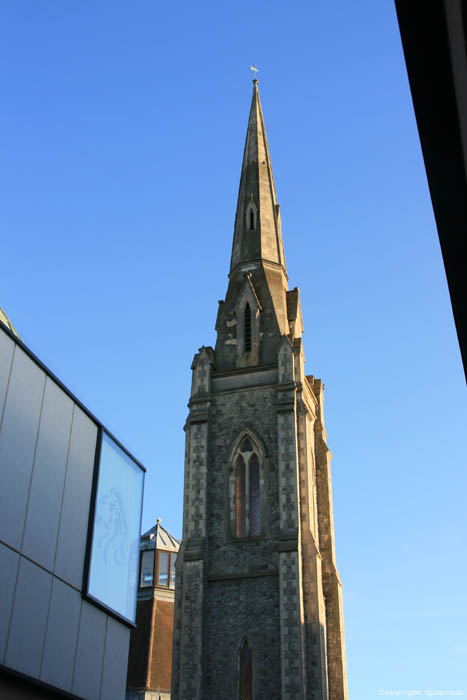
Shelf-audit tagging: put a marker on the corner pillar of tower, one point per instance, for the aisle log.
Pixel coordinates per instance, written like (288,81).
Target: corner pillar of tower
(187,664)
(332,586)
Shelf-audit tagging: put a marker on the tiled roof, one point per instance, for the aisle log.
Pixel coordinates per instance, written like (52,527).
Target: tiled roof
(158,538)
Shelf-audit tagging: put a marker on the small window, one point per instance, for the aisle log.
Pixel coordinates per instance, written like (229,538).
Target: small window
(147,568)
(247,328)
(245,672)
(173,559)
(252,220)
(163,576)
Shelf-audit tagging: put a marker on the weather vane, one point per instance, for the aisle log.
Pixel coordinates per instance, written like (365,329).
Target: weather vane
(254,69)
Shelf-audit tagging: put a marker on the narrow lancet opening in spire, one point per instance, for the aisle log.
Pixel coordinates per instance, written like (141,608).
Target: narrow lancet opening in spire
(247,328)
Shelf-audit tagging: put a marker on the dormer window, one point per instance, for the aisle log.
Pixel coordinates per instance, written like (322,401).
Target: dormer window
(247,328)
(248,322)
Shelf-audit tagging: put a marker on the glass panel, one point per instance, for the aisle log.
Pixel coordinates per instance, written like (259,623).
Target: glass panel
(163,579)
(246,672)
(246,446)
(173,559)
(147,568)
(255,499)
(240,529)
(114,557)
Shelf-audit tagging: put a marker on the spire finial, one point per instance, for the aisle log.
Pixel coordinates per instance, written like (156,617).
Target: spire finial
(255,71)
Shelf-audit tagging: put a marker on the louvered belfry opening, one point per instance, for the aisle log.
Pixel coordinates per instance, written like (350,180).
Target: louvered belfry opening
(245,672)
(247,328)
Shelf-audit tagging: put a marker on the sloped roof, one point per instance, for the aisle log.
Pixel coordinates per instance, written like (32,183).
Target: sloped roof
(159,538)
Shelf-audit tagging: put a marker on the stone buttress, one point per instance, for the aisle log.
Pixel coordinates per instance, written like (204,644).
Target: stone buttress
(258,609)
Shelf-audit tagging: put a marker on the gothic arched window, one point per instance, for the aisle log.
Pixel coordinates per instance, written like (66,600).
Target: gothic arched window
(245,672)
(247,328)
(247,495)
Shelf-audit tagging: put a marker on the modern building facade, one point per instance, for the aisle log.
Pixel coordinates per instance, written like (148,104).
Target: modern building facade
(150,660)
(70,518)
(434,39)
(258,610)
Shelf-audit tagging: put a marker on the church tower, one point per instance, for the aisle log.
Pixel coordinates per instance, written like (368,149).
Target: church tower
(258,607)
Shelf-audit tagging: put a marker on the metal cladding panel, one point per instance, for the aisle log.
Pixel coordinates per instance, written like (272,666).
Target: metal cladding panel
(17,444)
(48,477)
(9,561)
(115,661)
(29,619)
(6,354)
(62,636)
(71,545)
(90,652)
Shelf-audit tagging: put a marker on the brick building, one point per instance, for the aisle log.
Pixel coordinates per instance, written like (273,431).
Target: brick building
(258,609)
(150,658)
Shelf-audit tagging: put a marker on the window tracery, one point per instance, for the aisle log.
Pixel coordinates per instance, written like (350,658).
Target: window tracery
(247,495)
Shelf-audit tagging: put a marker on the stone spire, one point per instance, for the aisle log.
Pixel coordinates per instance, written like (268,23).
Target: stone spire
(257,233)
(258,278)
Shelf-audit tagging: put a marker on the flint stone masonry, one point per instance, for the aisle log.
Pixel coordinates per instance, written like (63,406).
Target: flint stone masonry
(242,601)
(232,413)
(291,627)
(195,497)
(192,610)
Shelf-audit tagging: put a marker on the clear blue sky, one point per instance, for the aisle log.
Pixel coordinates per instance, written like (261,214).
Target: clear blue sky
(122,131)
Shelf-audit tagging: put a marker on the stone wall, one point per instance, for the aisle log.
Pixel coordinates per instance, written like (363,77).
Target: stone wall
(234,609)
